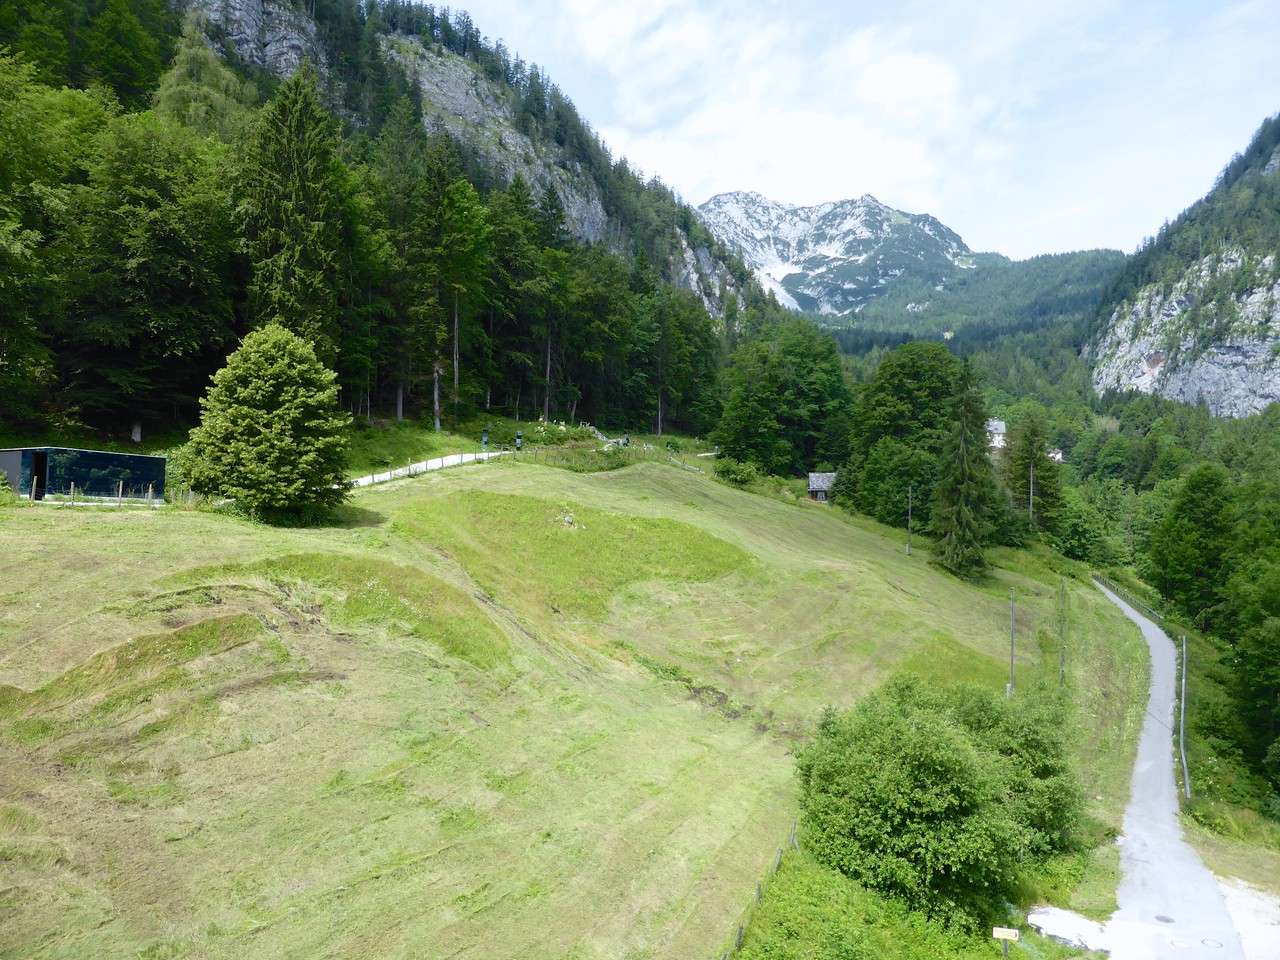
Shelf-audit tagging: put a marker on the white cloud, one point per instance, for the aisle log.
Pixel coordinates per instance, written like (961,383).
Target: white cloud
(1025,127)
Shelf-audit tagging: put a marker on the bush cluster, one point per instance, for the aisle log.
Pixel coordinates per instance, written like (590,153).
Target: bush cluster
(939,796)
(736,472)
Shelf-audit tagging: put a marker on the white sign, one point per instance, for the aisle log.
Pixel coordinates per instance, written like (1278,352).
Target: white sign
(1004,933)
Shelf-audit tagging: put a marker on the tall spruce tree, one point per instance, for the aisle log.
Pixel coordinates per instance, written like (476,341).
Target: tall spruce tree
(293,187)
(962,496)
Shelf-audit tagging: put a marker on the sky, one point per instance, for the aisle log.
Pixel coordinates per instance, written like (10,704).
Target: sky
(1027,126)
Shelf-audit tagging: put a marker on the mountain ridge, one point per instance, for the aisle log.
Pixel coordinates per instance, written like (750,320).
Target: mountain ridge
(835,257)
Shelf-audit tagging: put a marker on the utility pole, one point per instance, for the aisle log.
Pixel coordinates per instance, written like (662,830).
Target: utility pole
(910,493)
(1008,693)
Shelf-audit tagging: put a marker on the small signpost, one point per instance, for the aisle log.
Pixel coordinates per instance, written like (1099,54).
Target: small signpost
(484,439)
(519,440)
(1006,934)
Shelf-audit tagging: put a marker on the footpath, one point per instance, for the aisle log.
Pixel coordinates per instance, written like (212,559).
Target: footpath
(413,469)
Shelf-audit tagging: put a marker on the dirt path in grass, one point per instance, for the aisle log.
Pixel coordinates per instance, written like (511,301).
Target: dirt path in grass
(1170,904)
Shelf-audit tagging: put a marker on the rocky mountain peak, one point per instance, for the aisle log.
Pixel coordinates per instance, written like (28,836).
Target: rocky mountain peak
(833,257)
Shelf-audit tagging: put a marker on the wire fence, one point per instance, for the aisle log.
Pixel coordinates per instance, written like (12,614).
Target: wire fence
(744,918)
(1129,598)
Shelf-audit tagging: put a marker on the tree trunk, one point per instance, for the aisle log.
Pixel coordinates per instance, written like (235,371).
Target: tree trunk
(659,411)
(399,401)
(546,393)
(456,355)
(435,391)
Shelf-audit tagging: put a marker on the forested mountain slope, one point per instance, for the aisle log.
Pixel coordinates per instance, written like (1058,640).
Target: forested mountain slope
(426,208)
(1195,314)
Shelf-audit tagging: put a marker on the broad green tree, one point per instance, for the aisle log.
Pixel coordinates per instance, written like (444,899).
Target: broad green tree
(1032,478)
(270,436)
(907,399)
(1191,546)
(148,290)
(894,477)
(936,796)
(784,389)
(46,139)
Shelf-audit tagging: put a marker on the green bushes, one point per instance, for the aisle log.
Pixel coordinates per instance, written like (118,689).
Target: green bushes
(937,796)
(735,472)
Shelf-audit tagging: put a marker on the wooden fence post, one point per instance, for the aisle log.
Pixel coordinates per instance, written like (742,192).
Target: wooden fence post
(120,494)
(73,493)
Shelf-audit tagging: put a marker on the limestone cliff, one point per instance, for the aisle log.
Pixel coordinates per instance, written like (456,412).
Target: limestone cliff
(1196,313)
(265,33)
(1180,345)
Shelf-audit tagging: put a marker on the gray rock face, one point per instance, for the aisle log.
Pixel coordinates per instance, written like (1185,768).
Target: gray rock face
(456,98)
(1228,356)
(267,33)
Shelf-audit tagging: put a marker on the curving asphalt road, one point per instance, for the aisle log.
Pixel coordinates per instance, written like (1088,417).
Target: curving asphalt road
(1169,903)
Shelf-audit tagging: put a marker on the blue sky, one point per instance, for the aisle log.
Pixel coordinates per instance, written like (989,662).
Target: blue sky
(1034,126)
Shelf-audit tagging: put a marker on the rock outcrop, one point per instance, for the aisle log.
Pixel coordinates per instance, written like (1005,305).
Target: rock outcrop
(474,110)
(265,33)
(1182,345)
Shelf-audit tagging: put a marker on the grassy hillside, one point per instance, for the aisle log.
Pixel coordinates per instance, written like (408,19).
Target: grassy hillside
(501,711)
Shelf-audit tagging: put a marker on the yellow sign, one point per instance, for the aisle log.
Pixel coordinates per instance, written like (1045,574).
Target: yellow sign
(1004,933)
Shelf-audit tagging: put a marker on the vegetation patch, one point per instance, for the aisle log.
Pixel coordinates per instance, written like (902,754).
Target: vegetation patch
(566,558)
(366,591)
(811,912)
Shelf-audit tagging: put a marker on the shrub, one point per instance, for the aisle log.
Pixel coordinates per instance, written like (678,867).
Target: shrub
(934,797)
(735,472)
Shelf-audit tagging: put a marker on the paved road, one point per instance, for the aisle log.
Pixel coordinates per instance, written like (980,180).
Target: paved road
(414,469)
(1169,903)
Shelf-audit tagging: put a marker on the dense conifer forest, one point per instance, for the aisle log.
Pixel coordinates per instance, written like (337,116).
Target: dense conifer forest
(160,202)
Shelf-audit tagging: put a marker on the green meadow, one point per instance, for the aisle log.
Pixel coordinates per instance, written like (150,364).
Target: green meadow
(505,710)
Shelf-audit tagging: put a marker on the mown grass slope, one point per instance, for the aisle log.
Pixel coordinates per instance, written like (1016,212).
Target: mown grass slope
(501,711)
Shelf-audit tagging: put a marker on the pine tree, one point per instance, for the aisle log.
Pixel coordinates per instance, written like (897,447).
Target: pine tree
(1031,476)
(269,437)
(294,190)
(963,494)
(200,91)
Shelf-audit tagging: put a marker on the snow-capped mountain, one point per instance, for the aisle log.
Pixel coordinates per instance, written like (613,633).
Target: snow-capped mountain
(836,257)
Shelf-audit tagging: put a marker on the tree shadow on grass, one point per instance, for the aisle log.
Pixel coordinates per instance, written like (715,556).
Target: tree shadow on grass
(348,515)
